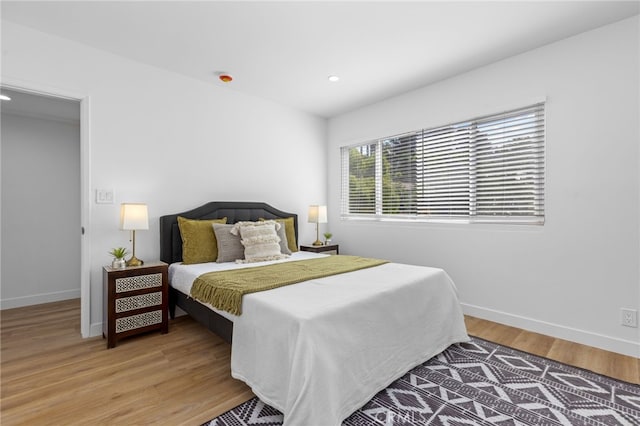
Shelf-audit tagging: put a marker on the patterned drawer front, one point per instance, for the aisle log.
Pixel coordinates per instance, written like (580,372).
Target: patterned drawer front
(136,302)
(138,321)
(138,282)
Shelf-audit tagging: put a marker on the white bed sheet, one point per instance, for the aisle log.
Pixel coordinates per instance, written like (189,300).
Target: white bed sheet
(319,350)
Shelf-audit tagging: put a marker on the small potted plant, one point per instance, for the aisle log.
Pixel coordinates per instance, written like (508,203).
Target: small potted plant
(118,254)
(327,238)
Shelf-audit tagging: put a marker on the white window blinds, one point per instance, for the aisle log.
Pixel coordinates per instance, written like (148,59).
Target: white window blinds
(485,169)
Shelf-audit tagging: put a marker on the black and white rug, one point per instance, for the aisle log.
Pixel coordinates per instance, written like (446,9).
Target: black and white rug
(482,383)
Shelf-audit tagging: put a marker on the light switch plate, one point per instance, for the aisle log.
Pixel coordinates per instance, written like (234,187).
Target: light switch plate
(104,196)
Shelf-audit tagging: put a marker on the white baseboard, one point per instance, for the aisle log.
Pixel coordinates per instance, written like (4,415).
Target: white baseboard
(613,344)
(95,330)
(37,299)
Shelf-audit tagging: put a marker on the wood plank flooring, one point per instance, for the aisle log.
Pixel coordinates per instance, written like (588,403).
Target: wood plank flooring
(600,361)
(51,376)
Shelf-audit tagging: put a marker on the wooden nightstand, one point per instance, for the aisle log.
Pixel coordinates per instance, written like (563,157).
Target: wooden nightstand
(135,301)
(328,249)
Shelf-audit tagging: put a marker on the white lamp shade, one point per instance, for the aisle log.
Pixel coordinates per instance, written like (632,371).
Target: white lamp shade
(134,216)
(317,214)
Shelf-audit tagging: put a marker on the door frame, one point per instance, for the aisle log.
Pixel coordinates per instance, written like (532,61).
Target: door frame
(85,186)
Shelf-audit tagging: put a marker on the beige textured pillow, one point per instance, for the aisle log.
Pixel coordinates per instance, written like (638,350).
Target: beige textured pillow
(260,241)
(198,240)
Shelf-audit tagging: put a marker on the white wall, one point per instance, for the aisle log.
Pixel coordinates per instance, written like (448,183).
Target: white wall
(170,141)
(40,210)
(570,277)
(174,143)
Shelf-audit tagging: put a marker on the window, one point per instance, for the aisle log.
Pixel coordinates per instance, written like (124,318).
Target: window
(489,169)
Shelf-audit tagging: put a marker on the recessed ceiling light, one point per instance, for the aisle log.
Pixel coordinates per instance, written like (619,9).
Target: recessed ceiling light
(5,98)
(334,78)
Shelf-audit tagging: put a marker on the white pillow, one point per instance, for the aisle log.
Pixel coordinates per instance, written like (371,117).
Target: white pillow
(260,241)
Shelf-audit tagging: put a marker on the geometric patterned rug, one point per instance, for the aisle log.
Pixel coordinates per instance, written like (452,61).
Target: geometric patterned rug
(482,383)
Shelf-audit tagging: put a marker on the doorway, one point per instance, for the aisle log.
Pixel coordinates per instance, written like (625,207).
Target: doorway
(42,201)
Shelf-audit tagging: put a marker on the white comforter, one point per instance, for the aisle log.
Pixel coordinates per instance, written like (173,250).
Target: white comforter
(319,350)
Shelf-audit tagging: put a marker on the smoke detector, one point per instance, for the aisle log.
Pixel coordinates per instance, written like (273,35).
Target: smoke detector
(225,77)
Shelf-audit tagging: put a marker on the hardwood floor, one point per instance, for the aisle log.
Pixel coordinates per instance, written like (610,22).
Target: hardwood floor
(597,360)
(50,375)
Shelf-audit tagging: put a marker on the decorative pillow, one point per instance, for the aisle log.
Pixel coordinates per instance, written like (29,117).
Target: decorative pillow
(290,231)
(284,246)
(198,240)
(260,241)
(230,248)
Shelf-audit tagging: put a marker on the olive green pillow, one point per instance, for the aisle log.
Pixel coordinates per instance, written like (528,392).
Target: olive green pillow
(198,240)
(290,230)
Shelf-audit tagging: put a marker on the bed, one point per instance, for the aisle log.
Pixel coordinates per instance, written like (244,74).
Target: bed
(320,349)
(171,252)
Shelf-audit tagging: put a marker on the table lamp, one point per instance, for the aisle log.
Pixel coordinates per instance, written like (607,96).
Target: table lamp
(133,217)
(317,214)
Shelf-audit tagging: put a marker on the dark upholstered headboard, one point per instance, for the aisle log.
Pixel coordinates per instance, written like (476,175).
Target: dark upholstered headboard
(234,211)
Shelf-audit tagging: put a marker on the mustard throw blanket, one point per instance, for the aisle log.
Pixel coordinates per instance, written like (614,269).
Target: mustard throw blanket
(224,289)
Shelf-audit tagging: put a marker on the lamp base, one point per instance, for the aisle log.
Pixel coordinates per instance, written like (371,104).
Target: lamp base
(134,261)
(317,243)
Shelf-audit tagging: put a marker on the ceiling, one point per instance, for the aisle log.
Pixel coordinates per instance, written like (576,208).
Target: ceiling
(284,51)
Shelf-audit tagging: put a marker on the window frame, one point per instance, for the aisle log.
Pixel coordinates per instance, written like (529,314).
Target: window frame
(537,137)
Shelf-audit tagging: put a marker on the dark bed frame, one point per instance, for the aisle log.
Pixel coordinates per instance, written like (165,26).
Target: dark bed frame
(171,252)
